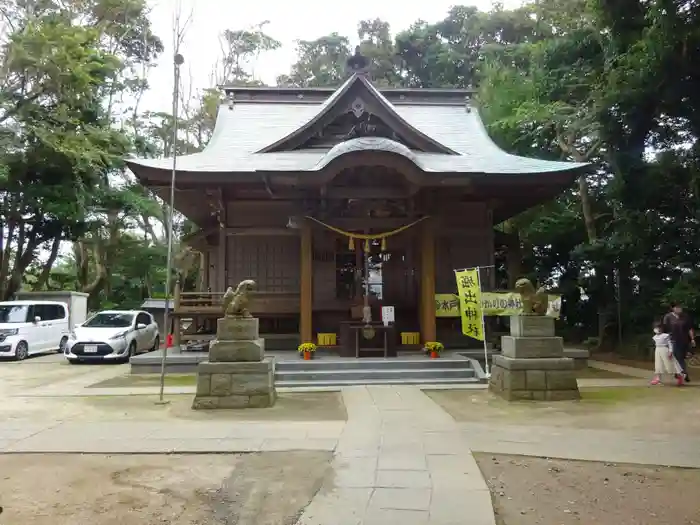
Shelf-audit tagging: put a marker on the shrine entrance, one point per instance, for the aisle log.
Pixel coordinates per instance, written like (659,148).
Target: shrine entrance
(360,276)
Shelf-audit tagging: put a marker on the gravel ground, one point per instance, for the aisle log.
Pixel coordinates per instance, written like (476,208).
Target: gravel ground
(250,489)
(538,491)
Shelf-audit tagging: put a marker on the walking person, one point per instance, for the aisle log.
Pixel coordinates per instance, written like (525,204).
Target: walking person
(679,326)
(665,363)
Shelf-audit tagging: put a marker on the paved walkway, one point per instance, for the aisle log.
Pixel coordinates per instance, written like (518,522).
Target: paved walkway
(399,459)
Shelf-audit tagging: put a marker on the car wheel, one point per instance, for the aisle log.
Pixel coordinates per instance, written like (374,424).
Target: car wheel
(156,344)
(62,345)
(22,351)
(131,352)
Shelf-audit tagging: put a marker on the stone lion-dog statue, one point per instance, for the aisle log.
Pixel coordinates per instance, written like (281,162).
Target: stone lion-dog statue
(236,302)
(535,302)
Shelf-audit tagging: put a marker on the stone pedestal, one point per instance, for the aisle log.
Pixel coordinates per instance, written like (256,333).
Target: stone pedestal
(237,374)
(532,364)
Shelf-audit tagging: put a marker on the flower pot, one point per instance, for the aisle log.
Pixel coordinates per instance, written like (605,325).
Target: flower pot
(307,356)
(434,355)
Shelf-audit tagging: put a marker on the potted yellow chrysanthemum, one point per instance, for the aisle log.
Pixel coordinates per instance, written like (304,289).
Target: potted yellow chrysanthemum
(307,350)
(433,348)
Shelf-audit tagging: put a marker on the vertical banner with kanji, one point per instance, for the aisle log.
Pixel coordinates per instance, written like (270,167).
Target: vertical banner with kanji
(469,292)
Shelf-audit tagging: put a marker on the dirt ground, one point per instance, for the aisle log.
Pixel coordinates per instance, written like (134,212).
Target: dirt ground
(250,489)
(144,380)
(645,364)
(629,408)
(617,360)
(597,373)
(307,406)
(534,491)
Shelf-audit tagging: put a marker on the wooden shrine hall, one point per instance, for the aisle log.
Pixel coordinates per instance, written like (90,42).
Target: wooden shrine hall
(340,201)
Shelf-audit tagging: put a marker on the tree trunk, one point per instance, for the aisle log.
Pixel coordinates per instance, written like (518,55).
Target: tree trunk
(514,253)
(22,261)
(48,265)
(587,209)
(6,256)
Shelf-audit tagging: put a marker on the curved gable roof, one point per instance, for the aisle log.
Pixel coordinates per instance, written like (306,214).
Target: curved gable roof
(357,86)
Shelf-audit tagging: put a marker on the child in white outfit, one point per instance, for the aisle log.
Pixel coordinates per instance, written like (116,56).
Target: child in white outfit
(664,362)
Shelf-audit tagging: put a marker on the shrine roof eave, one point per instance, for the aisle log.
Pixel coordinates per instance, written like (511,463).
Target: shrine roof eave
(558,174)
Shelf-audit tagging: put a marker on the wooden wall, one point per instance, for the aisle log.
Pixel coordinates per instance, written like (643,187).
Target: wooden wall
(265,214)
(272,258)
(464,240)
(272,261)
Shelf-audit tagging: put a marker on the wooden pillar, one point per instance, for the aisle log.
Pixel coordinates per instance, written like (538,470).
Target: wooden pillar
(427,282)
(306,285)
(221,261)
(203,271)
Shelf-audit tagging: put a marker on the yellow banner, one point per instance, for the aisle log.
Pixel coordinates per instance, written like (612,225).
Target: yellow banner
(493,304)
(469,293)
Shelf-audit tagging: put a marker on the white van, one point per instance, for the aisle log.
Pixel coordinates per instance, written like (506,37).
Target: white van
(32,327)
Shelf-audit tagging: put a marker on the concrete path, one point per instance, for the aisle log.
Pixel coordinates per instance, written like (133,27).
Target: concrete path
(400,460)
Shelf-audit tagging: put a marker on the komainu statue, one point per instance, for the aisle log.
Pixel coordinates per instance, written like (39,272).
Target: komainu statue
(535,302)
(236,303)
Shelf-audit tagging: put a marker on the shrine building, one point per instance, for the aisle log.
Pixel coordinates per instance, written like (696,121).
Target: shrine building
(340,201)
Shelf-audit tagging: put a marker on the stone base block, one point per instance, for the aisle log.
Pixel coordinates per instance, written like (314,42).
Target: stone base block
(580,357)
(235,385)
(237,328)
(531,326)
(532,347)
(221,351)
(551,379)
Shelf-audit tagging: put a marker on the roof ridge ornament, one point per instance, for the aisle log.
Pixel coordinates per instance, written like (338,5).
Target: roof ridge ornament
(357,64)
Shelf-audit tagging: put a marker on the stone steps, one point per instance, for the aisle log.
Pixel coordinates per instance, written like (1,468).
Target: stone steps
(355,382)
(373,371)
(421,363)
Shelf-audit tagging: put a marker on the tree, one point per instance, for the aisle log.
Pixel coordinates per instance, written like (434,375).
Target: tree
(320,63)
(55,146)
(241,49)
(376,43)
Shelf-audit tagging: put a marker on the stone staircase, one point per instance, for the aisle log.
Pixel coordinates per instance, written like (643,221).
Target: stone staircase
(374,371)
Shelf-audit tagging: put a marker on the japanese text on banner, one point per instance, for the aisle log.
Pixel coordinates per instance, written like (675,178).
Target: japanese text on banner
(470,299)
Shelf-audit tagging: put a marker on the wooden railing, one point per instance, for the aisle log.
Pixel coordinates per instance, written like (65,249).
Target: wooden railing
(261,302)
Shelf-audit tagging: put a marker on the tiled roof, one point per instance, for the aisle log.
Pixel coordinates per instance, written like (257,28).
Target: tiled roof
(248,127)
(156,304)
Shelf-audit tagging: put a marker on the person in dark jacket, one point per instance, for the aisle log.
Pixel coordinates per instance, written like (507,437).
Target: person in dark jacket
(679,325)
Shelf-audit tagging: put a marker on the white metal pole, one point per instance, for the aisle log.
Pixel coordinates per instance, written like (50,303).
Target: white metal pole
(177,62)
(483,323)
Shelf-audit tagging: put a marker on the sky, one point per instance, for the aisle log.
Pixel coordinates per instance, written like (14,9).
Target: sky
(289,21)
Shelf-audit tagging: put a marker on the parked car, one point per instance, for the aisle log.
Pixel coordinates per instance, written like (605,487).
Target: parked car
(113,335)
(32,327)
